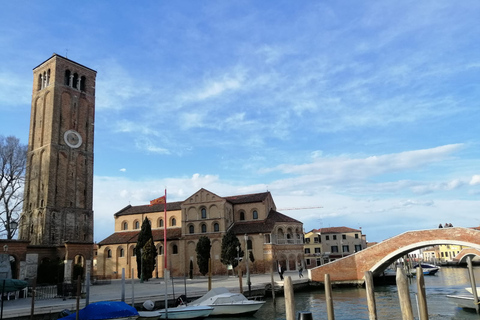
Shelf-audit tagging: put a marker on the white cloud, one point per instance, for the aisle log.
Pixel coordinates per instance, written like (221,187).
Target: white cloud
(344,168)
(214,87)
(123,170)
(475,180)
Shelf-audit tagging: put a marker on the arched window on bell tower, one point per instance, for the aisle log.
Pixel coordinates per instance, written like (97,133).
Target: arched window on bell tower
(67,78)
(75,81)
(83,83)
(40,81)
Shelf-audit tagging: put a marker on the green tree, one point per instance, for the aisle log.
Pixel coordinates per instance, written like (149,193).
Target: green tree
(231,249)
(13,163)
(203,254)
(145,254)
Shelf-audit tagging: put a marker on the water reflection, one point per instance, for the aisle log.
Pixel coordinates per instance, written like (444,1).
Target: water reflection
(351,303)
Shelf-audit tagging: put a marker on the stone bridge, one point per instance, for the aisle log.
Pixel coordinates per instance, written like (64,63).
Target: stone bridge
(465,253)
(351,269)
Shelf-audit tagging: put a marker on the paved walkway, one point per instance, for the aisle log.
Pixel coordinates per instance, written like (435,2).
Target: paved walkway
(153,289)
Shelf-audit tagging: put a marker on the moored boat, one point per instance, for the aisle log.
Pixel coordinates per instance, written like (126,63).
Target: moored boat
(226,303)
(427,269)
(462,301)
(105,310)
(180,312)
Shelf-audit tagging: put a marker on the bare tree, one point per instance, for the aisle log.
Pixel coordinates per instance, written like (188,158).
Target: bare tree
(13,162)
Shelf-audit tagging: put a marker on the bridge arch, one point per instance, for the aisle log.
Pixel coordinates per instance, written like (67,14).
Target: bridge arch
(351,269)
(400,252)
(465,253)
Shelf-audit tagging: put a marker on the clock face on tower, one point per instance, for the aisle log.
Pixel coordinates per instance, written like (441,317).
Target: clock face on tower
(72,139)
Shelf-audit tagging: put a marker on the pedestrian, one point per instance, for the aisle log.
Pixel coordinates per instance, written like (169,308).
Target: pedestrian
(300,271)
(280,271)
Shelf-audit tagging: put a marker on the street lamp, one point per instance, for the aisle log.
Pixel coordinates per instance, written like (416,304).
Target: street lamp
(13,226)
(246,261)
(238,260)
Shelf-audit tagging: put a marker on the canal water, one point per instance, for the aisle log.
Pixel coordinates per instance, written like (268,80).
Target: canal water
(351,303)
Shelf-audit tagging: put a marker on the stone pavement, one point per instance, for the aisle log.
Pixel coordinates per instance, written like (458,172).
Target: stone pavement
(154,290)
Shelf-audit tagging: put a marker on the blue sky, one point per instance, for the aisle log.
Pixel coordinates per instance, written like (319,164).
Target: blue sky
(367,109)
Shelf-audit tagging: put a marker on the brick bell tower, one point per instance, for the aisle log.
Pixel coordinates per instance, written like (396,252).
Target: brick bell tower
(59,179)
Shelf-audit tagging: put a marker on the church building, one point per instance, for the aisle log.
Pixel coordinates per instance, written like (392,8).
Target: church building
(271,236)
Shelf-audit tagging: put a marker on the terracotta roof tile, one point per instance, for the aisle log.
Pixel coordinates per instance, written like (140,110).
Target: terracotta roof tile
(248,198)
(132,236)
(335,230)
(171,206)
(262,226)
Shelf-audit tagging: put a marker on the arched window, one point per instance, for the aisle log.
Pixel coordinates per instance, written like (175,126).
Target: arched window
(174,249)
(242,215)
(125,226)
(204,213)
(67,78)
(82,83)
(122,253)
(40,82)
(160,223)
(255,214)
(204,228)
(216,227)
(249,244)
(160,250)
(137,225)
(174,222)
(191,229)
(75,80)
(109,253)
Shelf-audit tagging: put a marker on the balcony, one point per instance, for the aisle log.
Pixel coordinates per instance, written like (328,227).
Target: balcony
(288,241)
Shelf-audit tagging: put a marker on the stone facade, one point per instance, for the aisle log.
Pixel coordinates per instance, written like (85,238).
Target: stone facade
(271,236)
(328,244)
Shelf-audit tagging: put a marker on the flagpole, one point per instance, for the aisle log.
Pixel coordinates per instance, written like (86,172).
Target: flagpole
(166,274)
(165,231)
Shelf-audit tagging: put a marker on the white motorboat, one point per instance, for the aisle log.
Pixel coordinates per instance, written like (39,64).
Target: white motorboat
(226,303)
(427,268)
(471,291)
(462,301)
(180,312)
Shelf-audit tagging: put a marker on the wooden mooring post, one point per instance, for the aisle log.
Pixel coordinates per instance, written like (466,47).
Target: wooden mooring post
(328,298)
(289,301)
(240,275)
(421,296)
(472,283)
(404,295)
(372,307)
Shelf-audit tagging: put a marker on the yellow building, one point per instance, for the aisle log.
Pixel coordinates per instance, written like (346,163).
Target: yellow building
(270,235)
(328,244)
(448,252)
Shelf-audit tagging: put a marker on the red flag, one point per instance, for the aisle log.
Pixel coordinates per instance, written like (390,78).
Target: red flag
(158,200)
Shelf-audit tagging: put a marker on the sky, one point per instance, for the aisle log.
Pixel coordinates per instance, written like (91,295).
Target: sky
(362,114)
